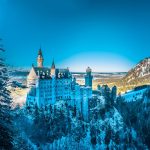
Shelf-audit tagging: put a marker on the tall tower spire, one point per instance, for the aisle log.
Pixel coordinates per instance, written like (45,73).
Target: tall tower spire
(53,64)
(53,68)
(40,58)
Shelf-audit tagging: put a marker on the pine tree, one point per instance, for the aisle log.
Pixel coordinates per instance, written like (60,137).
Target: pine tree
(5,106)
(108,135)
(74,111)
(113,94)
(36,114)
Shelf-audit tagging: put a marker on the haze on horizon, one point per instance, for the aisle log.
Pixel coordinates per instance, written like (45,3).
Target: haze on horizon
(108,36)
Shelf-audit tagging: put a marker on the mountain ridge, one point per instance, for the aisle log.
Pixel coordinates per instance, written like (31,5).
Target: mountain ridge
(141,69)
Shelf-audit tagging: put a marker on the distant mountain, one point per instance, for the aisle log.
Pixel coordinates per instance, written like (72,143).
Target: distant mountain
(137,76)
(141,70)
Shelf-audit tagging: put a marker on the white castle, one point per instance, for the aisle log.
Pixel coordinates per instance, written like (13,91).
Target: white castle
(48,85)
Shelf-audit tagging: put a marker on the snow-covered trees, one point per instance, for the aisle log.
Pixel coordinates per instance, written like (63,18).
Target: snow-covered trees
(136,115)
(10,138)
(5,106)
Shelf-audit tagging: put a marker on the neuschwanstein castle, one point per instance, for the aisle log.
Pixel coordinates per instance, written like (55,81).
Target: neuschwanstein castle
(48,85)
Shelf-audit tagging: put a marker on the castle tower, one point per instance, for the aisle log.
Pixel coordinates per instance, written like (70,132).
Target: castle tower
(53,69)
(88,77)
(40,59)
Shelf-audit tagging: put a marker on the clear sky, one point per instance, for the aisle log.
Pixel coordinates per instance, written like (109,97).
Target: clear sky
(107,35)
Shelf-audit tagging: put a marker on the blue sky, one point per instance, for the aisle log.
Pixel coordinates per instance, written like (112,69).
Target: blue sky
(103,34)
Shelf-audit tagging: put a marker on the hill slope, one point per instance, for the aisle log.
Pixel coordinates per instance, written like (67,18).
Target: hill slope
(142,69)
(137,76)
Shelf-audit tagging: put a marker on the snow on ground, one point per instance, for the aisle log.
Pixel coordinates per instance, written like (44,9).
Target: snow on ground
(133,95)
(102,100)
(116,121)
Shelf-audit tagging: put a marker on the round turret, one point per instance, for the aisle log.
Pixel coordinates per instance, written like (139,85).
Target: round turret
(88,69)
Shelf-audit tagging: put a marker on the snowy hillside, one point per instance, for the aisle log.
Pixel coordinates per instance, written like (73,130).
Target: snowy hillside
(142,69)
(137,76)
(133,95)
(134,107)
(63,129)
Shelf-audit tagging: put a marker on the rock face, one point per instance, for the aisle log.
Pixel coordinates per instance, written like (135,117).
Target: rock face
(141,70)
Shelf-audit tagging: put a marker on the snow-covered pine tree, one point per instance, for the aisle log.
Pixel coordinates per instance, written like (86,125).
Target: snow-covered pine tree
(5,106)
